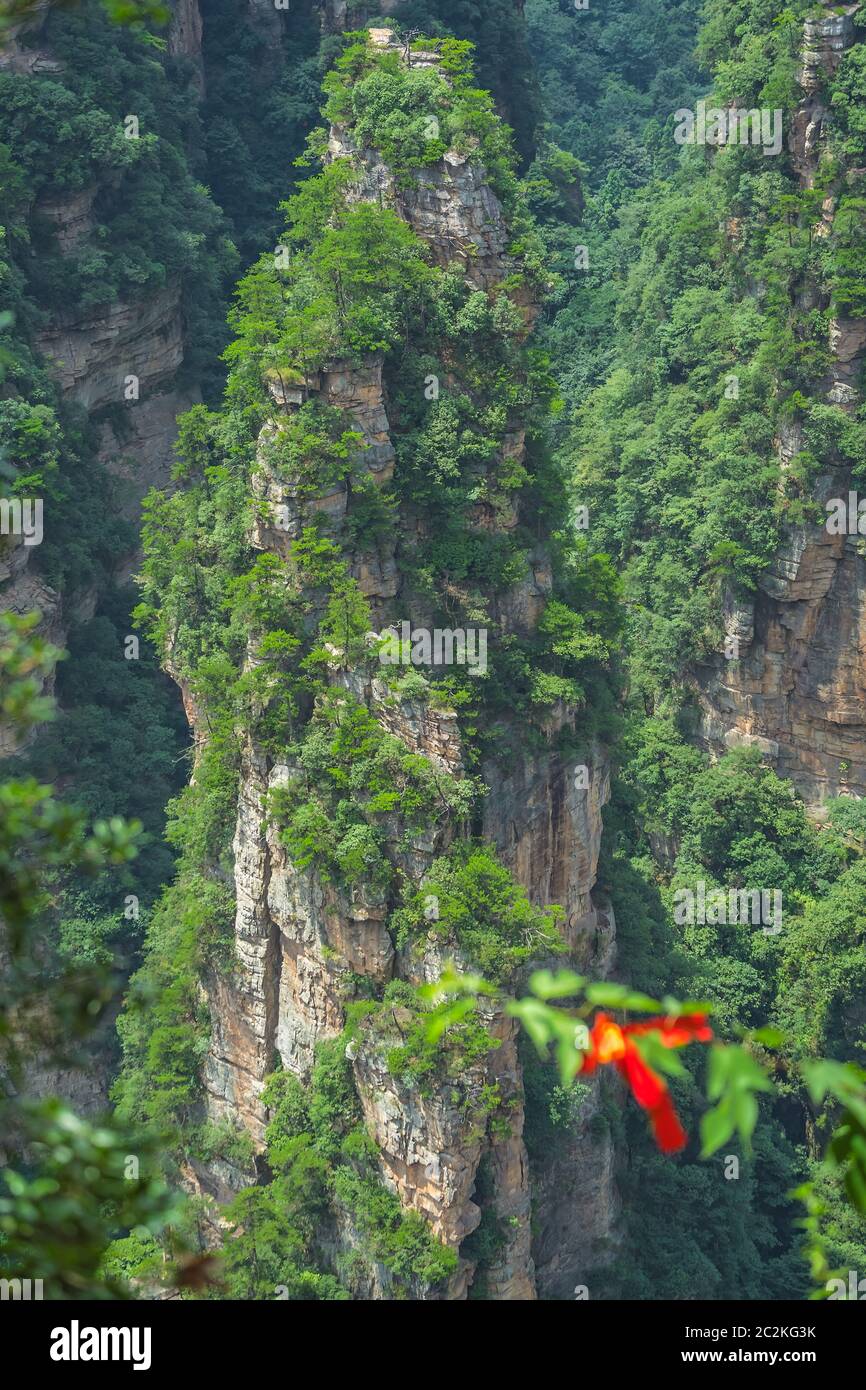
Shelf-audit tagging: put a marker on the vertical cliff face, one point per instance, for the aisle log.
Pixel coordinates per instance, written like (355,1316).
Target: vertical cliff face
(96,363)
(124,353)
(185,33)
(306,944)
(338,16)
(95,353)
(125,359)
(93,350)
(798,689)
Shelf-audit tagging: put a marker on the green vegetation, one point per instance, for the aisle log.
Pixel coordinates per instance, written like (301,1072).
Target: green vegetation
(738,825)
(612,77)
(277,61)
(435,1048)
(146,225)
(355,804)
(717,352)
(67,1188)
(66,134)
(504,60)
(121,729)
(365,793)
(413,115)
(694,340)
(701,516)
(654,391)
(320,1155)
(479,911)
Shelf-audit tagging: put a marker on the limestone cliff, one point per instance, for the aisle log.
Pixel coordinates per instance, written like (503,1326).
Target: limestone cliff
(798,688)
(305,946)
(125,353)
(342,15)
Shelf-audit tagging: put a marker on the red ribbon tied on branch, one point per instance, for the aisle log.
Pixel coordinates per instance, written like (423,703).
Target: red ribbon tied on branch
(612,1042)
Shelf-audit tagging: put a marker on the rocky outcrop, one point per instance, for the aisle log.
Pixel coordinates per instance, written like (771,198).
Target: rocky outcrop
(119,356)
(339,16)
(450,205)
(95,353)
(451,1148)
(798,690)
(356,389)
(139,459)
(433,1140)
(825,41)
(138,449)
(547,826)
(20,51)
(124,354)
(430,1154)
(793,684)
(577,1202)
(70,215)
(185,35)
(847,340)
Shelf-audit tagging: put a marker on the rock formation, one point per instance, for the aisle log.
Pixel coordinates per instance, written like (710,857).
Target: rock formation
(798,690)
(300,940)
(125,353)
(340,15)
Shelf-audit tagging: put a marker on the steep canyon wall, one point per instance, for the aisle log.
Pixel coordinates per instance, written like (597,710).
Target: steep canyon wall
(798,690)
(301,940)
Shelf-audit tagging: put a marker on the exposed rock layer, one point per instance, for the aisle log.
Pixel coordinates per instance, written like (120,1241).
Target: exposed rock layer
(796,688)
(124,354)
(301,942)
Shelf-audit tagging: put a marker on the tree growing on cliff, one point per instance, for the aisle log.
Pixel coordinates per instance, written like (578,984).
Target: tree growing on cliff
(67,1187)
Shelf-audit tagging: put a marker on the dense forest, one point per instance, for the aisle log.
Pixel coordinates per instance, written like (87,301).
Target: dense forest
(433,855)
